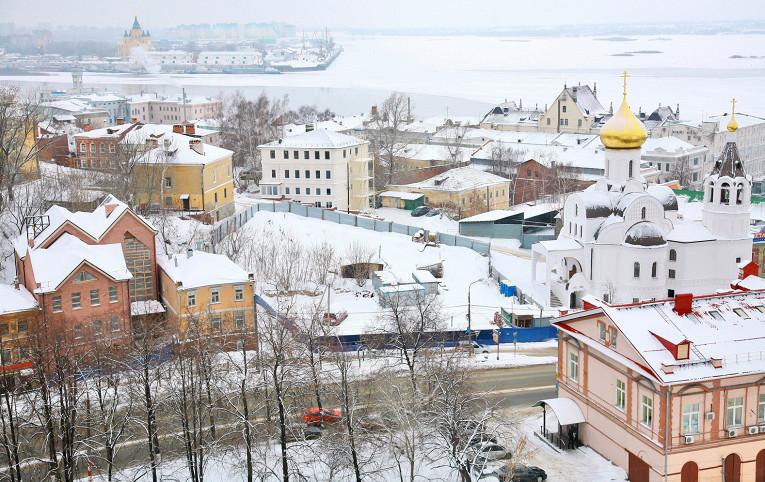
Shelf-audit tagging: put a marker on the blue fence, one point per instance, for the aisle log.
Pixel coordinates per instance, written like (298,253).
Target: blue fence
(230,224)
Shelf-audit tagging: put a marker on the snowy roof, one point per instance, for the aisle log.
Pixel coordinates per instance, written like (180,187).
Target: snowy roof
(329,125)
(94,223)
(401,288)
(730,327)
(181,152)
(322,139)
(566,410)
(751,283)
(585,99)
(561,244)
(664,195)
(202,269)
(409,196)
(527,210)
(459,179)
(54,264)
(690,232)
(147,307)
(744,120)
(644,233)
(588,154)
(424,276)
(15,300)
(668,144)
(434,152)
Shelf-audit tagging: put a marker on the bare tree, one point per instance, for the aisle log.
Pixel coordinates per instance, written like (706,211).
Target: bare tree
(455,143)
(681,172)
(359,256)
(387,136)
(18,145)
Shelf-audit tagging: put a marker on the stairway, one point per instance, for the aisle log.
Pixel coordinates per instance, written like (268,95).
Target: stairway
(555,301)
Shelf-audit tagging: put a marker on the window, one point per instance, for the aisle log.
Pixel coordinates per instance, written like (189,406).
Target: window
(112,148)
(735,416)
(191,298)
(356,151)
(22,327)
(57,304)
(326,154)
(642,213)
(573,366)
(621,394)
(83,148)
(84,276)
(328,174)
(286,154)
(238,293)
(741,313)
(168,182)
(4,329)
(306,155)
(646,411)
(97,327)
(563,109)
(318,174)
(716,315)
(214,295)
(297,190)
(761,408)
(92,148)
(329,204)
(329,192)
(548,121)
(307,174)
(690,418)
(316,155)
(602,330)
(94,298)
(629,169)
(297,174)
(286,174)
(138,259)
(653,270)
(612,336)
(77,331)
(115,324)
(273,173)
(286,190)
(343,153)
(215,322)
(76,301)
(296,155)
(239,320)
(672,255)
(672,274)
(636,270)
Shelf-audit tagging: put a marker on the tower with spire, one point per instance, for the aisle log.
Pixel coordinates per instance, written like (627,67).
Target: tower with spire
(137,37)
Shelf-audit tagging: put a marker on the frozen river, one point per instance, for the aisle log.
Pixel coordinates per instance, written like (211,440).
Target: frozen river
(468,73)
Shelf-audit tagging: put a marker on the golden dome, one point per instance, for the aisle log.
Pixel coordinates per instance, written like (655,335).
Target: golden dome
(623,130)
(733,123)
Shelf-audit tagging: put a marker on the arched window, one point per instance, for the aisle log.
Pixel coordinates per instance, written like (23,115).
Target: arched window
(690,472)
(629,174)
(636,270)
(672,255)
(739,193)
(760,467)
(724,193)
(642,213)
(732,468)
(653,270)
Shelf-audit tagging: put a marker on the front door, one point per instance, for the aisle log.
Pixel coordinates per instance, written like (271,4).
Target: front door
(638,470)
(732,468)
(185,204)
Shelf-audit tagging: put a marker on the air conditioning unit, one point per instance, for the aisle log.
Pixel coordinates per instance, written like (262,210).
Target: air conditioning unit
(710,416)
(732,433)
(753,430)
(689,439)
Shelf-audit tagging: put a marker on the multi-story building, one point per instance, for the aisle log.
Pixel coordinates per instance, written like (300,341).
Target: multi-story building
(19,313)
(238,58)
(322,168)
(206,295)
(669,390)
(463,190)
(624,242)
(137,38)
(676,160)
(115,105)
(576,109)
(155,109)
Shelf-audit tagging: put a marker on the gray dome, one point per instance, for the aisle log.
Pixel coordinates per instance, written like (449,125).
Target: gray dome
(644,233)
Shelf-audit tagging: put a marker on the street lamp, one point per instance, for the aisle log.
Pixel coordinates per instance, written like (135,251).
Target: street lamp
(470,326)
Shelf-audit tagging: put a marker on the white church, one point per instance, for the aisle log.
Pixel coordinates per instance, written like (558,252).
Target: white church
(625,242)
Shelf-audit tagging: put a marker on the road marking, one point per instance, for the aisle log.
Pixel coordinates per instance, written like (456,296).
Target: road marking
(522,389)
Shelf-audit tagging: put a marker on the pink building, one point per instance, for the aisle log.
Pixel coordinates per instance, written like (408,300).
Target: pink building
(668,390)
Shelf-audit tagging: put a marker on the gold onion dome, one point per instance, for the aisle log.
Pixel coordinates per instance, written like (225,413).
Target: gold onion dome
(623,130)
(733,123)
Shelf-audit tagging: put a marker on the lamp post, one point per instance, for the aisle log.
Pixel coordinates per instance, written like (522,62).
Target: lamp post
(470,321)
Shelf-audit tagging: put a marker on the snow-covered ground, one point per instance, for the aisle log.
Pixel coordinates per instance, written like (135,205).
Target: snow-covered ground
(439,224)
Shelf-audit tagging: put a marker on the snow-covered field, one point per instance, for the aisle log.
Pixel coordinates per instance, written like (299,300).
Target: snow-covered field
(439,224)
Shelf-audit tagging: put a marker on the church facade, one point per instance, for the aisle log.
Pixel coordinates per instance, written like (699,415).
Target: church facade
(136,38)
(625,242)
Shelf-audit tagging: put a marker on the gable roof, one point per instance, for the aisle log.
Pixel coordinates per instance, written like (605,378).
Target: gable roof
(321,138)
(202,269)
(53,265)
(459,179)
(16,299)
(585,100)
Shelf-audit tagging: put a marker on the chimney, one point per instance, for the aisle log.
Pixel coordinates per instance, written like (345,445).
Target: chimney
(190,129)
(87,127)
(374,110)
(197,146)
(109,208)
(177,128)
(683,303)
(716,362)
(120,121)
(189,252)
(134,120)
(668,368)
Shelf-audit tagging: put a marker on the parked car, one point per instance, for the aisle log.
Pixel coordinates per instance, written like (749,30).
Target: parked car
(477,347)
(298,432)
(493,451)
(316,415)
(433,212)
(481,438)
(420,211)
(521,473)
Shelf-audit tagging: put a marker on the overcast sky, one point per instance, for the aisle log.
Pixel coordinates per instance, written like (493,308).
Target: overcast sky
(376,14)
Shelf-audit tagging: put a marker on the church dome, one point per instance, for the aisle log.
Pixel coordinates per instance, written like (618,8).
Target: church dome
(645,234)
(623,130)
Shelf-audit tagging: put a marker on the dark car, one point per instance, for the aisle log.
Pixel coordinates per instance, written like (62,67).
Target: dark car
(420,211)
(298,432)
(521,473)
(433,212)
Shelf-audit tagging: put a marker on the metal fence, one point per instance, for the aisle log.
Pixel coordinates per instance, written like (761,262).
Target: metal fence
(232,223)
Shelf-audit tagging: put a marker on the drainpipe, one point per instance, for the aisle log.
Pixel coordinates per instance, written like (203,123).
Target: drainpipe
(666,429)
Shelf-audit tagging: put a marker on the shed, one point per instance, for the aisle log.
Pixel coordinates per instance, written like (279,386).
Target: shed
(427,280)
(402,200)
(401,295)
(528,223)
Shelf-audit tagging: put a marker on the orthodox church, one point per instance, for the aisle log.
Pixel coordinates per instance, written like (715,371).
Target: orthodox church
(136,38)
(624,241)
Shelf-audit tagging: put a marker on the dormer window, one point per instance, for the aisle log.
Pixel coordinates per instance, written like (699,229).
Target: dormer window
(83,276)
(741,313)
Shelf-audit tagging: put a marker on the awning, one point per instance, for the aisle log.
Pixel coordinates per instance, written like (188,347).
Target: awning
(184,196)
(566,410)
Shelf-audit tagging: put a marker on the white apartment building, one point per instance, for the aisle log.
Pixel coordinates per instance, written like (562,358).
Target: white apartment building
(322,168)
(676,160)
(252,57)
(155,109)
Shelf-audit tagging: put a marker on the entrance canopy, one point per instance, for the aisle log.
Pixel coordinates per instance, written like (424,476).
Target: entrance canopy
(566,410)
(184,196)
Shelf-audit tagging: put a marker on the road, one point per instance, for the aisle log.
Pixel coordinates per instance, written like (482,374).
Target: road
(516,387)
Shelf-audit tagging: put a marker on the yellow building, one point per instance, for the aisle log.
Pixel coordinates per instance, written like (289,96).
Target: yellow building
(206,294)
(186,174)
(576,109)
(19,313)
(464,190)
(136,38)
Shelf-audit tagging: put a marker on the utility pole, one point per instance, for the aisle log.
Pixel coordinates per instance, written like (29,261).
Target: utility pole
(470,320)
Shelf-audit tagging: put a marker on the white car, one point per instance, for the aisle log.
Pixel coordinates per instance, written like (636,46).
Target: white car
(492,451)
